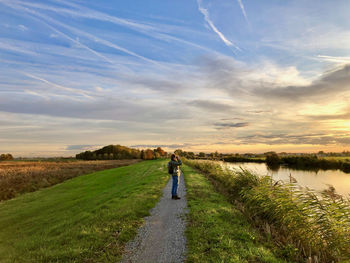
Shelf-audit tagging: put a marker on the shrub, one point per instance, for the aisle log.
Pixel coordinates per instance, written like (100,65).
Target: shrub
(272,159)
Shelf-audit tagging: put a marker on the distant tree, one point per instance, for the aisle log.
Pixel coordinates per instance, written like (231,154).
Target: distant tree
(272,159)
(156,155)
(190,155)
(201,154)
(110,152)
(148,154)
(6,157)
(161,152)
(179,152)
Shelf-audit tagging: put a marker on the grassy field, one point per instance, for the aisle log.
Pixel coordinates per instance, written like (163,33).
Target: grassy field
(86,219)
(18,177)
(217,231)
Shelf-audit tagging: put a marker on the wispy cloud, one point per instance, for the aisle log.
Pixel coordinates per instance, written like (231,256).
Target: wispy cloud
(22,27)
(231,125)
(74,91)
(80,32)
(205,13)
(82,147)
(211,105)
(157,31)
(334,59)
(243,10)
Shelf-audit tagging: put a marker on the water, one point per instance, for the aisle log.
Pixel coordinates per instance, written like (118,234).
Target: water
(318,181)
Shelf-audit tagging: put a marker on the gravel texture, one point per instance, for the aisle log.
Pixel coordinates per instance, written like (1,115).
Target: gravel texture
(162,238)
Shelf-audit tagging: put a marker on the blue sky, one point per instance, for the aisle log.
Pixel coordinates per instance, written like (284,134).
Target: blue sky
(230,75)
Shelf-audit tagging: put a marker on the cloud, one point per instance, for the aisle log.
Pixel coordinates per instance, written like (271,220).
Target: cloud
(296,139)
(210,105)
(47,19)
(171,146)
(231,124)
(22,27)
(84,147)
(330,83)
(243,10)
(213,27)
(339,116)
(100,108)
(60,87)
(342,60)
(156,31)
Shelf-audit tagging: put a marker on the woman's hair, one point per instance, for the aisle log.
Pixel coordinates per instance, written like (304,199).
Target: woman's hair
(173,157)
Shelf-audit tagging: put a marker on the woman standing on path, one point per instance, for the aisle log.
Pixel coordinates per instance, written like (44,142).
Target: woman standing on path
(174,170)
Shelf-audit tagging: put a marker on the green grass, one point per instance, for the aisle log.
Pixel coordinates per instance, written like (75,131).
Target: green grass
(86,219)
(217,231)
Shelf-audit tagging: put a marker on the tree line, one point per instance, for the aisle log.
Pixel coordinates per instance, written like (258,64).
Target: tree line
(119,152)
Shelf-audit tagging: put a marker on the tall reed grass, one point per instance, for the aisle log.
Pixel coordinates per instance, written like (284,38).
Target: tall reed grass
(21,177)
(307,226)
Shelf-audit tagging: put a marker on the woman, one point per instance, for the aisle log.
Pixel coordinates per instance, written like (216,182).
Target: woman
(174,169)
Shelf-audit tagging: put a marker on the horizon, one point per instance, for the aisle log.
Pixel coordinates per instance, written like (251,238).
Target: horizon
(171,151)
(232,76)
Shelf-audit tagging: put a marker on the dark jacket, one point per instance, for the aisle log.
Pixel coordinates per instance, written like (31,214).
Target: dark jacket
(174,166)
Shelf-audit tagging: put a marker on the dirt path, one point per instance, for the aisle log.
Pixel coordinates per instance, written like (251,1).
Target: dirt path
(162,238)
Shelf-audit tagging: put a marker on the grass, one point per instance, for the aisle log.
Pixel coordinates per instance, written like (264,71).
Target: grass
(18,177)
(86,219)
(304,226)
(217,231)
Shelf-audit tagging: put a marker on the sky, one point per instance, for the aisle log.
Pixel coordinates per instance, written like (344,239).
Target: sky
(200,75)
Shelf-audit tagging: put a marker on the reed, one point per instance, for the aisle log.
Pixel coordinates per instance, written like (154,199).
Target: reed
(308,226)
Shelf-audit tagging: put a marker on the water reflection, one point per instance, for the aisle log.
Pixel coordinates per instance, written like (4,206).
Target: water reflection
(318,180)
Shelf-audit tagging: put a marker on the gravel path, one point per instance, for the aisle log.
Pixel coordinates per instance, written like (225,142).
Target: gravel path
(162,238)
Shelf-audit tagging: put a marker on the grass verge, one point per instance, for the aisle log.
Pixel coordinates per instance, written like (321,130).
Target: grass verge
(86,219)
(216,230)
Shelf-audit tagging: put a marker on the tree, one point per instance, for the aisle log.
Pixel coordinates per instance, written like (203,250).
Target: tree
(148,154)
(161,151)
(272,159)
(201,154)
(190,155)
(110,152)
(179,152)
(6,157)
(156,155)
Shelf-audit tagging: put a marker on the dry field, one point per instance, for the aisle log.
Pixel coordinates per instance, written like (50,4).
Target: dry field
(22,177)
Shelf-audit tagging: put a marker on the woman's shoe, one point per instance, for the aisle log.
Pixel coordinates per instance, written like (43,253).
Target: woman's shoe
(176,197)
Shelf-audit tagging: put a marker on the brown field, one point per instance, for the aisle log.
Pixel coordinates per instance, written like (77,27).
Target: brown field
(21,177)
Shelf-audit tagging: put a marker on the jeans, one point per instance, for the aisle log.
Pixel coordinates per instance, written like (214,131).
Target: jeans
(175,185)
